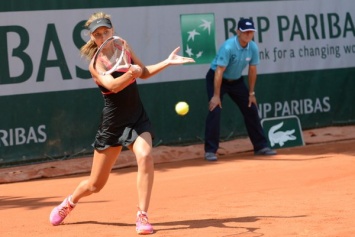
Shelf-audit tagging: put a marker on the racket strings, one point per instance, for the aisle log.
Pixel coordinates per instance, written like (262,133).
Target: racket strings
(109,59)
(112,58)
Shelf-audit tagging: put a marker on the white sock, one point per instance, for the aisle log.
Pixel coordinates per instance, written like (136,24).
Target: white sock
(142,212)
(71,202)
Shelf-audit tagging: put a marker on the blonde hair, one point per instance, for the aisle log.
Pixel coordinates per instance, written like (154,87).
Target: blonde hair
(89,49)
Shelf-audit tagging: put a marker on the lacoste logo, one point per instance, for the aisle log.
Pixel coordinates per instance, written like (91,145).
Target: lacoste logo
(280,137)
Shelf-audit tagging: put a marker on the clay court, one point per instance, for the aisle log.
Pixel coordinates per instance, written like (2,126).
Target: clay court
(302,191)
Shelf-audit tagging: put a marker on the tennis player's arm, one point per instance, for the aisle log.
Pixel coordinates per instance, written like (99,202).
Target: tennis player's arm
(109,82)
(151,70)
(148,71)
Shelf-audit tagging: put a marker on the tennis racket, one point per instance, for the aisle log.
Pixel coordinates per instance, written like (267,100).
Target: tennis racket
(112,56)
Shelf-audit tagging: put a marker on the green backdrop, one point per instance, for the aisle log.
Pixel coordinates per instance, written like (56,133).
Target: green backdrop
(45,126)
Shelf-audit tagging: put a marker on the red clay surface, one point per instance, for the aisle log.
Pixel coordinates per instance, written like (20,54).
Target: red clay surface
(303,191)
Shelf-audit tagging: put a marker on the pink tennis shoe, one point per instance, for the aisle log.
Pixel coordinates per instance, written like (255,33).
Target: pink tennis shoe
(59,213)
(143,227)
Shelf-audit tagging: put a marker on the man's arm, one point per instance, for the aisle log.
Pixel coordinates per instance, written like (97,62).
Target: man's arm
(216,99)
(252,74)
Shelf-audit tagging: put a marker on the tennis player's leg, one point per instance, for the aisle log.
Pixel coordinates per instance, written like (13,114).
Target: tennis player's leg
(102,165)
(103,162)
(142,148)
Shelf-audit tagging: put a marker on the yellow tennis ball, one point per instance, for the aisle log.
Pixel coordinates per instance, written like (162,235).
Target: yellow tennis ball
(182,108)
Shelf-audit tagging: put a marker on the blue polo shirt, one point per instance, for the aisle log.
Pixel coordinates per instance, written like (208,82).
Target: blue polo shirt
(235,58)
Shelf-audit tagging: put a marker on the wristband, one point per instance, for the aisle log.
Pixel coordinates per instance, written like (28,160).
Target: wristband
(252,93)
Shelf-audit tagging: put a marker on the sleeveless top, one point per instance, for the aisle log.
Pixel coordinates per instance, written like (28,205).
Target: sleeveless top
(123,117)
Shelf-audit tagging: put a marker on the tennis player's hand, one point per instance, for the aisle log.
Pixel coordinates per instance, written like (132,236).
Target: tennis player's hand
(214,102)
(252,100)
(125,44)
(136,70)
(175,59)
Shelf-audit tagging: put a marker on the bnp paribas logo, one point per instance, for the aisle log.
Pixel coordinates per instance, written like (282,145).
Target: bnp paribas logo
(198,37)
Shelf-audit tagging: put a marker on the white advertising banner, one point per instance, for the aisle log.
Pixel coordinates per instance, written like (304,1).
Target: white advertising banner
(39,50)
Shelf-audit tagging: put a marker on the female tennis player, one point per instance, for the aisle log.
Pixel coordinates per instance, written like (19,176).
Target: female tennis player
(124,123)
